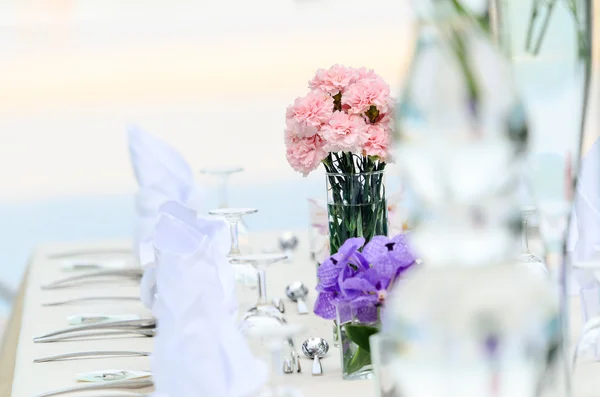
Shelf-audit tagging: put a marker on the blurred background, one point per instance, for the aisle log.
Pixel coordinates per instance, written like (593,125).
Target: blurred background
(211,78)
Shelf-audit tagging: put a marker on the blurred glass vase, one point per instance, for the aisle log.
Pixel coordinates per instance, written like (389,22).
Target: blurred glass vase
(492,331)
(462,134)
(549,45)
(472,321)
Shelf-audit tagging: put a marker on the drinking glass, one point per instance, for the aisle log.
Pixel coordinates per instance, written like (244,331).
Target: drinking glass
(276,338)
(264,312)
(222,174)
(384,382)
(527,257)
(233,216)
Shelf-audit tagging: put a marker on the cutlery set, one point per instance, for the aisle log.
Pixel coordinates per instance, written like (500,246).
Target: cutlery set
(98,325)
(95,325)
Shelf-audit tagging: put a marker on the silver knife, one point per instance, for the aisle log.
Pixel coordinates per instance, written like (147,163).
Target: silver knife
(118,384)
(134,273)
(91,298)
(148,323)
(95,353)
(90,251)
(104,332)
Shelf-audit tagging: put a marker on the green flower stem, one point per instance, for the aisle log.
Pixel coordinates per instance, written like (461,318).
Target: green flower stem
(461,53)
(357,206)
(538,45)
(532,19)
(358,334)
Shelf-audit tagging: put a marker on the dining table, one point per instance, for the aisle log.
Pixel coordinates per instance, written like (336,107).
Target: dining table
(20,376)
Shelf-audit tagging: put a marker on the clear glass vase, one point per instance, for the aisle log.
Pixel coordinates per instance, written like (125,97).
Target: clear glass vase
(383,349)
(355,327)
(549,46)
(356,206)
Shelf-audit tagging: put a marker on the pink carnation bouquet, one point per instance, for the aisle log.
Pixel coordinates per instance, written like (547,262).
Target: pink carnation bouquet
(345,122)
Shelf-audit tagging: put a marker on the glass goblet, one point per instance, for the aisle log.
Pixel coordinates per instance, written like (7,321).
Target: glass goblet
(222,174)
(233,216)
(277,338)
(260,262)
(263,306)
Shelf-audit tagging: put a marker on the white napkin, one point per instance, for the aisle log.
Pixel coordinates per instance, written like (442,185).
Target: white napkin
(198,349)
(162,174)
(219,232)
(153,160)
(585,237)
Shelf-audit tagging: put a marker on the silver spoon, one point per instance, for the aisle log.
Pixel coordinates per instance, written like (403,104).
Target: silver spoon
(315,348)
(288,242)
(297,291)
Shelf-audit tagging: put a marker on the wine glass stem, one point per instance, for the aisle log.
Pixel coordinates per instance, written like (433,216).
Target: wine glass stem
(223,192)
(235,243)
(524,236)
(262,287)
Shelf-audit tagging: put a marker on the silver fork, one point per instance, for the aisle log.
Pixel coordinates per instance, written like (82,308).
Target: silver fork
(117,384)
(90,251)
(105,332)
(95,353)
(134,273)
(147,323)
(91,298)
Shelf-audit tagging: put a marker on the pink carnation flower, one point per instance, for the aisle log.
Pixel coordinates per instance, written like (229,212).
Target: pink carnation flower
(308,113)
(305,154)
(367,74)
(377,145)
(334,80)
(345,133)
(359,97)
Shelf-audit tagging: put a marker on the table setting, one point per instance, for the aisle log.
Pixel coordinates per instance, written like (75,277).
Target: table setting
(458,284)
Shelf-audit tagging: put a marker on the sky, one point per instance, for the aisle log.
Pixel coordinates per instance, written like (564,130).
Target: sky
(211,78)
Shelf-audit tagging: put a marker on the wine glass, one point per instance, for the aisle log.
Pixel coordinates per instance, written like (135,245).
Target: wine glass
(233,216)
(264,311)
(222,174)
(276,337)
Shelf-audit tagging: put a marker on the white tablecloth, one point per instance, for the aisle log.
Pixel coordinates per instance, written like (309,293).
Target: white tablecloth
(31,379)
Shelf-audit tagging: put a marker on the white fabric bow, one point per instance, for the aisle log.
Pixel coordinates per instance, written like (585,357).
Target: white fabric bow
(162,174)
(198,350)
(585,241)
